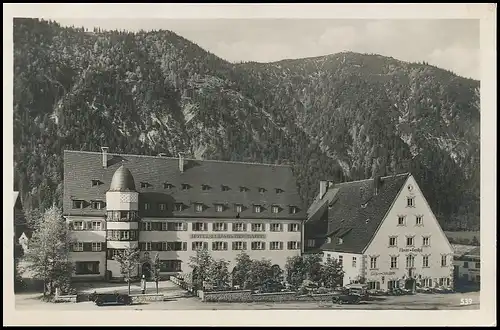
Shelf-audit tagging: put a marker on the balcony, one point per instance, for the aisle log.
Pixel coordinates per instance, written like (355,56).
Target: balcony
(122,216)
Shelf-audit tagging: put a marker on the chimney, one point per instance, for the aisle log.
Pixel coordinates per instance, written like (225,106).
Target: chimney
(104,156)
(323,185)
(377,182)
(181,162)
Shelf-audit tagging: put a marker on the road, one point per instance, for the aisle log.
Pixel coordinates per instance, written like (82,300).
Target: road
(178,301)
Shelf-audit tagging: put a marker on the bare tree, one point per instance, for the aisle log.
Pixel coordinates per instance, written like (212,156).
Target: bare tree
(128,259)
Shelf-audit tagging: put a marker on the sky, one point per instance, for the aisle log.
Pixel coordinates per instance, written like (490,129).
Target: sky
(451,44)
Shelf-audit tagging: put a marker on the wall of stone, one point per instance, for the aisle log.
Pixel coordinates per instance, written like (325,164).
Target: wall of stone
(248,296)
(138,298)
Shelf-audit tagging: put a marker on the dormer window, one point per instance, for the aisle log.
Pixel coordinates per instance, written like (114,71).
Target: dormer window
(185,186)
(262,190)
(293,209)
(198,207)
(147,206)
(243,189)
(340,240)
(162,206)
(239,208)
(144,185)
(219,208)
(279,190)
(275,209)
(97,205)
(225,188)
(364,205)
(257,208)
(168,186)
(179,206)
(205,187)
(78,204)
(96,182)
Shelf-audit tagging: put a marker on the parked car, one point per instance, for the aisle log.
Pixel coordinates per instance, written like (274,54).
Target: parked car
(346,299)
(112,299)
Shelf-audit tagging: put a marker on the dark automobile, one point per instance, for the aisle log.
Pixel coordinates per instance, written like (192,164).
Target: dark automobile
(111,299)
(346,299)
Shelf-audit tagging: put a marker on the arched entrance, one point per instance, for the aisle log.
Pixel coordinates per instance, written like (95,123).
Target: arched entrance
(146,270)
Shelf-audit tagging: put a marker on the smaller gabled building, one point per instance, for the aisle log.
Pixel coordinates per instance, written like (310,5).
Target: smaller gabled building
(467,265)
(383,232)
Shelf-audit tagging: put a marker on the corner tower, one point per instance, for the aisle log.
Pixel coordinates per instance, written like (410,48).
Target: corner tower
(122,218)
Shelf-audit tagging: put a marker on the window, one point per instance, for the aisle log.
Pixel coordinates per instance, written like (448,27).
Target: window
(95,182)
(425,261)
(219,226)
(340,241)
(441,281)
(96,225)
(77,225)
(174,246)
(393,241)
(96,246)
(373,285)
(112,253)
(205,187)
(199,226)
(78,247)
(275,209)
(147,206)
(279,191)
(146,226)
(392,284)
(185,186)
(196,246)
(448,282)
(427,282)
(410,241)
(328,257)
(341,260)
(262,190)
(146,246)
(478,265)
(443,261)
(162,206)
(311,243)
(293,245)
(466,264)
(410,261)
(174,226)
(257,227)
(219,208)
(426,241)
(239,246)
(257,208)
(293,209)
(179,206)
(394,262)
(78,204)
(373,262)
(243,189)
(401,220)
(144,184)
(293,227)
(276,246)
(167,186)
(419,220)
(410,202)
(276,227)
(239,226)
(97,205)
(86,267)
(258,245)
(170,265)
(198,207)
(239,208)
(219,246)
(225,188)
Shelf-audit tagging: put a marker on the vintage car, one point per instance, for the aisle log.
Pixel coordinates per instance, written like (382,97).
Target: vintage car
(102,299)
(346,298)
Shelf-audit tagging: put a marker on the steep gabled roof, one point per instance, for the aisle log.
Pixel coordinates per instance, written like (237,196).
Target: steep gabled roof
(355,212)
(86,179)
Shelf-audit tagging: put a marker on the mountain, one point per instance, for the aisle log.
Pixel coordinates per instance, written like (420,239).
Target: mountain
(341,117)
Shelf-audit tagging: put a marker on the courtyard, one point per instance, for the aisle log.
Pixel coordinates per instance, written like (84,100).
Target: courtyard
(178,299)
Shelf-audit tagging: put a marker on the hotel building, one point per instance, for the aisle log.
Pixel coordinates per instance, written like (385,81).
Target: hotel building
(383,232)
(174,207)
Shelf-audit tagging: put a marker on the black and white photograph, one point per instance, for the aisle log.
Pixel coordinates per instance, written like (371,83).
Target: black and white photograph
(250,163)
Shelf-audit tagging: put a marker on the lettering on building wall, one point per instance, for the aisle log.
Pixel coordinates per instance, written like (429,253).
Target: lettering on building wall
(411,250)
(261,236)
(382,273)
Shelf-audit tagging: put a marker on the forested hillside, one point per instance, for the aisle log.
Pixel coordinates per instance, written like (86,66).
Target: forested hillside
(340,117)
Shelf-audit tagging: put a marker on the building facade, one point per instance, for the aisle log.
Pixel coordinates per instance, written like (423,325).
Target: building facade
(175,206)
(383,232)
(467,266)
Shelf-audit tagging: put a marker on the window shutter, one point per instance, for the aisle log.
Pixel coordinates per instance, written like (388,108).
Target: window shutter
(281,245)
(213,246)
(87,246)
(205,245)
(263,245)
(184,226)
(225,245)
(184,246)
(70,225)
(244,245)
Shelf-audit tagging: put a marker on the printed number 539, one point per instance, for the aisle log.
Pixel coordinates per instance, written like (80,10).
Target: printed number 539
(466,301)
